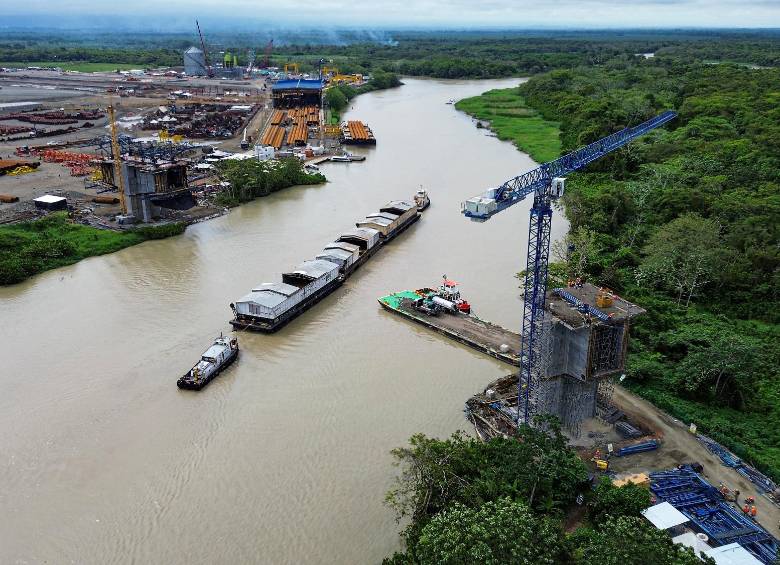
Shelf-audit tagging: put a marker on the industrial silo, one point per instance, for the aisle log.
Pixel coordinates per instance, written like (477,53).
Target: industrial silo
(194,62)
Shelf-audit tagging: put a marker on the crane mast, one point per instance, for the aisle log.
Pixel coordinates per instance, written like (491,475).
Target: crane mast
(267,55)
(209,70)
(117,154)
(546,183)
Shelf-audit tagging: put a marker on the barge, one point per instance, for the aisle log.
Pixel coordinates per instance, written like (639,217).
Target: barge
(444,311)
(269,306)
(355,132)
(214,360)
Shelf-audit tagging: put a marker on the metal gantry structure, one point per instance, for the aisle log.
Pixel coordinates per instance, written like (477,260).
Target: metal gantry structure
(546,183)
(117,155)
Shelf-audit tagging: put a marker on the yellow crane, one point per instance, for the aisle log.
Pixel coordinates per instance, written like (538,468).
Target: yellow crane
(118,178)
(291,67)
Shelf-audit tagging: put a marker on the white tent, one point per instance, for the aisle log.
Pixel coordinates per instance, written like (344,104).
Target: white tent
(664,516)
(732,554)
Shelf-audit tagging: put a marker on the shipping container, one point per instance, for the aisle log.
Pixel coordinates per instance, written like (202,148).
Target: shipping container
(366,238)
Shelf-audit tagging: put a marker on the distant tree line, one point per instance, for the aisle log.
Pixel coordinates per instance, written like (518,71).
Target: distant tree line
(435,54)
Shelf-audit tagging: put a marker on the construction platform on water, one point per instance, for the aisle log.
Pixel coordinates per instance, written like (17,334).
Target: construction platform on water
(419,306)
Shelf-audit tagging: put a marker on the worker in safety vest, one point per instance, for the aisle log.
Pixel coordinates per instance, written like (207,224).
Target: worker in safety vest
(746,509)
(750,499)
(753,512)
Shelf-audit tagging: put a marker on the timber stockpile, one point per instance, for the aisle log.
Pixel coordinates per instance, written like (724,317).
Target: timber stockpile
(444,311)
(274,136)
(356,133)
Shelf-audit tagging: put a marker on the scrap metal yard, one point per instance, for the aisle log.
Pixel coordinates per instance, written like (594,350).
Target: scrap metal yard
(55,129)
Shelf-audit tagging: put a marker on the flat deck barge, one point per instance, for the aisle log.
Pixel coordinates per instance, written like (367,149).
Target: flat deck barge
(464,328)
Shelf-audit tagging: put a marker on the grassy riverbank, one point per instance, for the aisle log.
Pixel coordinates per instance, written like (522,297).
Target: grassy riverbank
(80,66)
(29,248)
(513,120)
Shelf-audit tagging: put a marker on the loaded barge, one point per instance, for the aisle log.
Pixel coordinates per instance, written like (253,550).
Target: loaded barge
(444,311)
(269,306)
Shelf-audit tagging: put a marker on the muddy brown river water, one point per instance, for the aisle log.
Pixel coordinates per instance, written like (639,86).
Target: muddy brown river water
(285,457)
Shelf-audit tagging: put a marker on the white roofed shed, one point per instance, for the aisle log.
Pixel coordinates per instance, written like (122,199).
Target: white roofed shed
(664,516)
(732,554)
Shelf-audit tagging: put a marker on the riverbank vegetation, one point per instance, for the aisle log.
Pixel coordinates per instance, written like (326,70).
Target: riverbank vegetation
(525,499)
(512,120)
(29,248)
(684,222)
(337,97)
(250,178)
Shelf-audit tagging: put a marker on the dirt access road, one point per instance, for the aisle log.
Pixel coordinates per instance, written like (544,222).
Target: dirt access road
(680,446)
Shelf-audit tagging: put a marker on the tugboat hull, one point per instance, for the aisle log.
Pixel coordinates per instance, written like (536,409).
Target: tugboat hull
(186,382)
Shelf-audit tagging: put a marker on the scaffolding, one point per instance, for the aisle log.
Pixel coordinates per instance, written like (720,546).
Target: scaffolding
(579,350)
(607,349)
(710,514)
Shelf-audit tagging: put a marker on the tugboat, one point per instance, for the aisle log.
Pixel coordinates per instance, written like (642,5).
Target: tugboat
(421,199)
(222,353)
(450,292)
(347,157)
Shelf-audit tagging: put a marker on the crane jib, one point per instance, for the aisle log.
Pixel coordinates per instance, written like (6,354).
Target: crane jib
(538,179)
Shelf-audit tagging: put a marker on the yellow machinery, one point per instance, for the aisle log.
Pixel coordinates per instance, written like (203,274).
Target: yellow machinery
(291,67)
(329,70)
(601,464)
(604,298)
(117,159)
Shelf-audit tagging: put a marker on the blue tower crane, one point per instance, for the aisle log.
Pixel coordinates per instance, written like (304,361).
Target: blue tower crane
(546,183)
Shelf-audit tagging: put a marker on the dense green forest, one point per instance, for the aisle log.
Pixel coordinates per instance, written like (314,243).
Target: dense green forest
(684,222)
(422,53)
(525,499)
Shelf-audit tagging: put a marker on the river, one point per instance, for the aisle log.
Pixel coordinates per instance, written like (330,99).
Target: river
(285,457)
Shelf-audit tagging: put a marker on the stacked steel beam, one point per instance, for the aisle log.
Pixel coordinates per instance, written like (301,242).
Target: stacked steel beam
(705,507)
(273,136)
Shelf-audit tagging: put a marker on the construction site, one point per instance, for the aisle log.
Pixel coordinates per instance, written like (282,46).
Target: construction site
(170,126)
(571,354)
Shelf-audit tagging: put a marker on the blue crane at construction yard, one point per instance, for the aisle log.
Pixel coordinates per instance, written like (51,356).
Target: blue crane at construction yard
(546,183)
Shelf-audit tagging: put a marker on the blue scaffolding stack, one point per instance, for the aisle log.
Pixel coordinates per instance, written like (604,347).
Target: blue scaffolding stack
(730,460)
(689,493)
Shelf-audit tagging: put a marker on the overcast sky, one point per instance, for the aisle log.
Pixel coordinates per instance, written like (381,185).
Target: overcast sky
(429,13)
